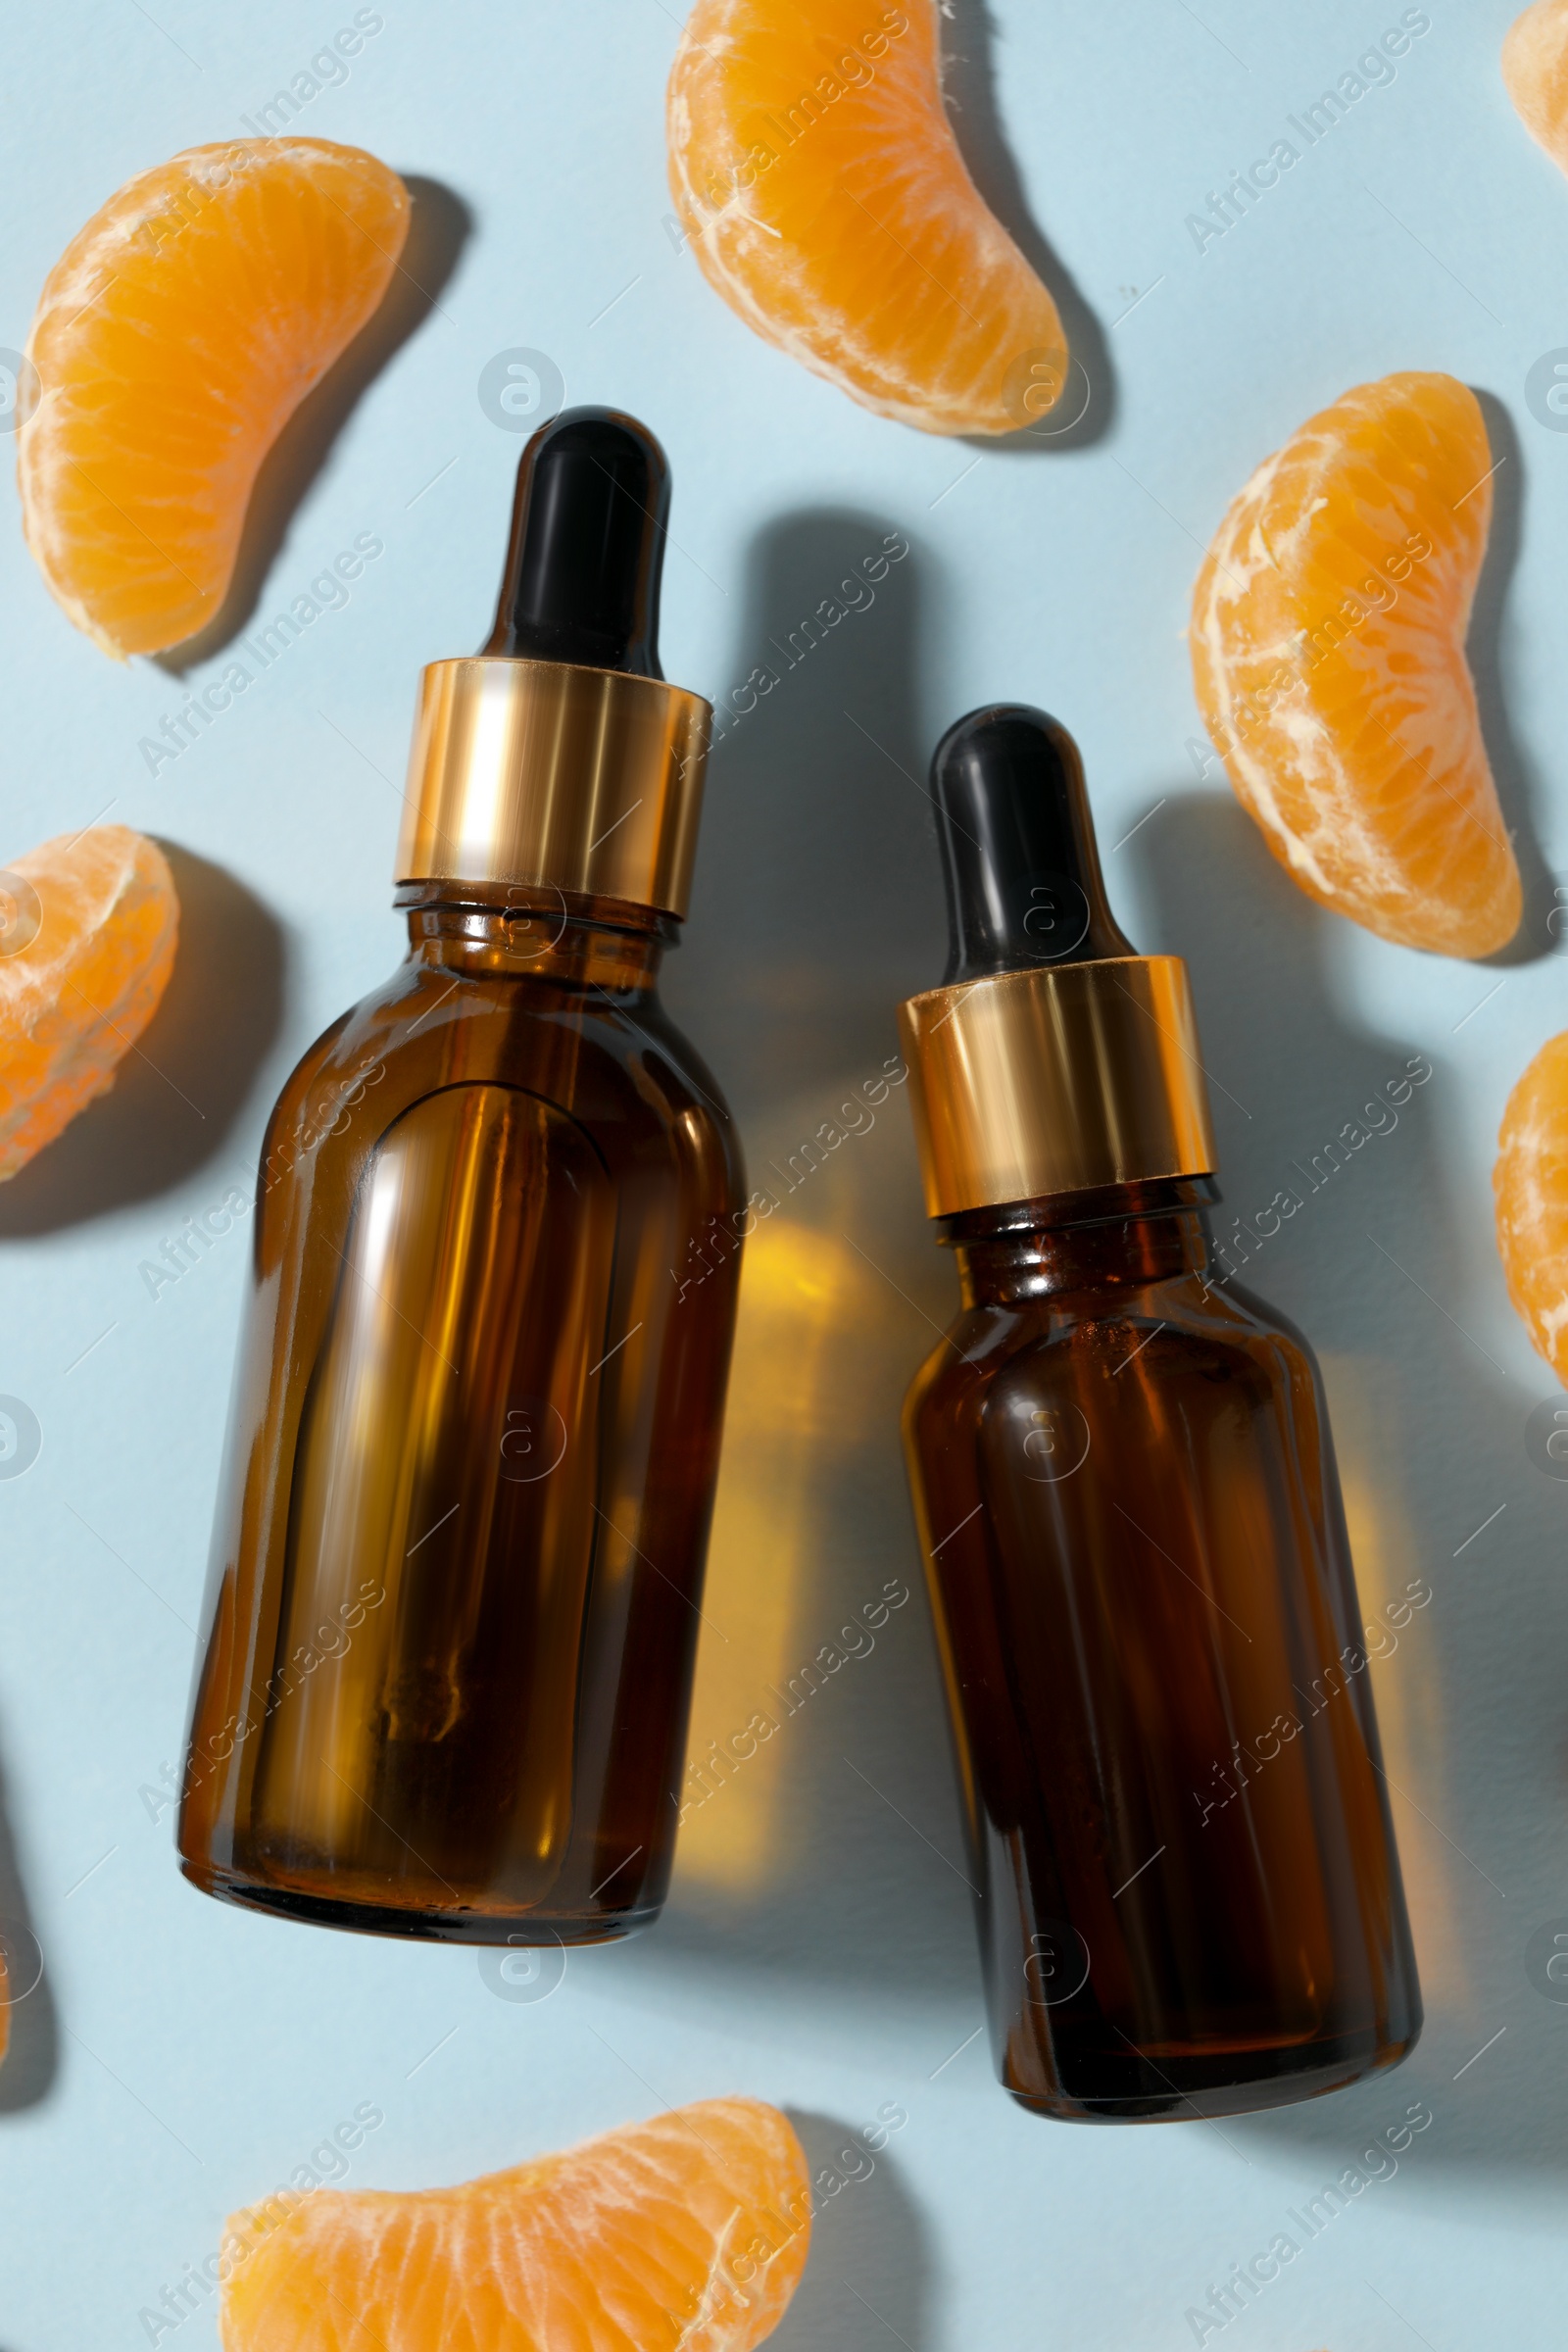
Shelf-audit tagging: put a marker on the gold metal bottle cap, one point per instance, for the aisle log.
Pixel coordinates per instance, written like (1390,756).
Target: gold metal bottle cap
(1055,1080)
(1052,1059)
(558,756)
(553,774)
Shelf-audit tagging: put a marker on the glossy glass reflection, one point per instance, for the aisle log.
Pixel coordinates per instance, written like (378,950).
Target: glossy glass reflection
(1190,1895)
(458,1565)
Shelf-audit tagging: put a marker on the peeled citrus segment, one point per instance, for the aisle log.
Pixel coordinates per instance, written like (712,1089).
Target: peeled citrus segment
(815,171)
(689,2232)
(174,339)
(1327,654)
(1531,1185)
(1535,73)
(89,925)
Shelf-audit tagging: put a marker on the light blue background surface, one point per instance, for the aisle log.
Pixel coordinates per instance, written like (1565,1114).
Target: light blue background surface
(182,2058)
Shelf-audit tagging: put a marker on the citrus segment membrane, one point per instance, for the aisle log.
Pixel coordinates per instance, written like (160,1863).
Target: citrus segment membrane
(174,339)
(1534,74)
(1529,1185)
(88,927)
(1328,647)
(825,196)
(688,2233)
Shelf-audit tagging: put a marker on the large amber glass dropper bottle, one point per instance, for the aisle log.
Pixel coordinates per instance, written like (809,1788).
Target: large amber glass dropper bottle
(1189,1894)
(459,1556)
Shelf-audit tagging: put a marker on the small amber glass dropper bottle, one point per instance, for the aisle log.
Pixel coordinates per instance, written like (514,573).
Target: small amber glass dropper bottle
(458,1561)
(1189,1894)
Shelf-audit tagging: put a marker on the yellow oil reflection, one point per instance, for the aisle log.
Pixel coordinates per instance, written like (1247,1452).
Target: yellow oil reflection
(826,1343)
(1363,1411)
(802,1297)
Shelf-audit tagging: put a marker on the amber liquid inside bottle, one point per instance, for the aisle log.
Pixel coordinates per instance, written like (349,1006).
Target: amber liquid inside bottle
(458,1561)
(1188,1893)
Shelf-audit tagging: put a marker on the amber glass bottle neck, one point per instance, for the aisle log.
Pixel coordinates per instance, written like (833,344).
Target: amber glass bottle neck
(1119,1234)
(511,932)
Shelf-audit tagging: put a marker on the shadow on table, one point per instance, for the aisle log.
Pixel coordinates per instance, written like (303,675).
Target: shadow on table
(832,1859)
(32,2059)
(1087,409)
(1520,787)
(1378,1267)
(870,2260)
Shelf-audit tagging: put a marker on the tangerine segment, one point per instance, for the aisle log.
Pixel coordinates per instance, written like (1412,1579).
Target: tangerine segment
(1327,654)
(174,338)
(689,2232)
(1534,74)
(89,925)
(817,176)
(1530,1183)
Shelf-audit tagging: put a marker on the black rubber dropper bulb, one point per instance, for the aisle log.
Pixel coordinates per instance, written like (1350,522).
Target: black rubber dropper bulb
(1018,849)
(587,546)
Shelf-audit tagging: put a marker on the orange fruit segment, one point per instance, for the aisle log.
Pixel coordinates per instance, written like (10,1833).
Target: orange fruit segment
(89,925)
(1327,642)
(689,2232)
(1534,74)
(1530,1183)
(815,171)
(174,338)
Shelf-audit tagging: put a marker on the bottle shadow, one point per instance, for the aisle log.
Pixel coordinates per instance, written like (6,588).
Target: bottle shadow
(1430,1435)
(179,1091)
(1519,788)
(845,1820)
(439,227)
(870,2257)
(32,2059)
(970,85)
(793,962)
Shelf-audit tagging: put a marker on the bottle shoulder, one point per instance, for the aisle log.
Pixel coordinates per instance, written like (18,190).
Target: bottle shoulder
(616,1066)
(1180,1329)
(428,1021)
